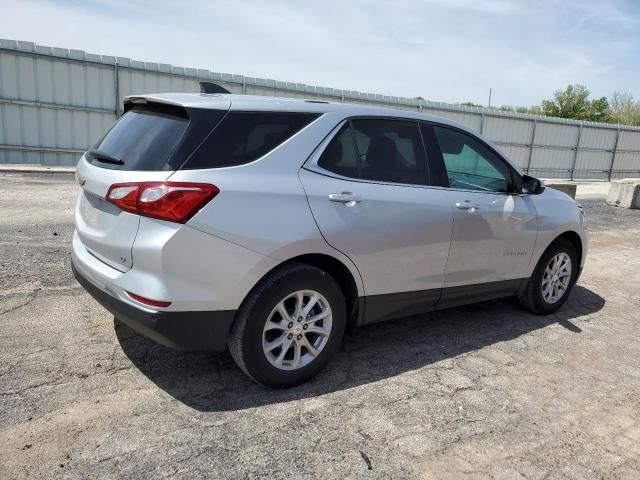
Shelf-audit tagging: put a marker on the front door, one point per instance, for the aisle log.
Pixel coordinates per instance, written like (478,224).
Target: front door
(494,229)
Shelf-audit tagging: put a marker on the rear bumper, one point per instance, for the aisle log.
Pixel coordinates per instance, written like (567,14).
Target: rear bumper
(182,330)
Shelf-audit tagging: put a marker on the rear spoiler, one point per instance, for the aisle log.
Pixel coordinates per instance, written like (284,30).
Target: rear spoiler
(178,99)
(205,87)
(153,104)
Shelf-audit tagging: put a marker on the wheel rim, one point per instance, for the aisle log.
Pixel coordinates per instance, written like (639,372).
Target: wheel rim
(556,278)
(297,330)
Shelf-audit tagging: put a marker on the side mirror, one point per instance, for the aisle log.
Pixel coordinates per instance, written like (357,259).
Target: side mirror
(531,185)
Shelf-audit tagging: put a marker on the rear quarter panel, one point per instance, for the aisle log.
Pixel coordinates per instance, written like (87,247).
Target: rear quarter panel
(262,205)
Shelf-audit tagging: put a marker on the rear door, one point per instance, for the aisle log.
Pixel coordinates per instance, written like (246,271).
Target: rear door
(372,201)
(494,228)
(147,143)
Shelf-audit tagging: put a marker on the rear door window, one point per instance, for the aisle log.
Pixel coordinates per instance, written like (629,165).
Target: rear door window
(340,155)
(378,150)
(142,139)
(243,137)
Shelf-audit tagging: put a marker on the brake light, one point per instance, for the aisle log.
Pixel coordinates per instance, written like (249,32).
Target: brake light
(170,201)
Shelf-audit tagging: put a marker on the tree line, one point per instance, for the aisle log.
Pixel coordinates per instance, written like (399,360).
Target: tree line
(574,102)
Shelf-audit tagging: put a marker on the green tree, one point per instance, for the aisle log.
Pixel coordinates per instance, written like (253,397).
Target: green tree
(624,109)
(599,110)
(573,102)
(470,104)
(569,103)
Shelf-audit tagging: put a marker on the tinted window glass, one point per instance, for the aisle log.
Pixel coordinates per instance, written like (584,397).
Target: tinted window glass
(470,164)
(390,151)
(143,139)
(340,155)
(385,151)
(243,137)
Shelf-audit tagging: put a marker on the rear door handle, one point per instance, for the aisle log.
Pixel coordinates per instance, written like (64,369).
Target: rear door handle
(347,198)
(467,205)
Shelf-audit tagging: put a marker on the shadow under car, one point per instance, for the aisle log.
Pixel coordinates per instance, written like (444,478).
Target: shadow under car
(212,381)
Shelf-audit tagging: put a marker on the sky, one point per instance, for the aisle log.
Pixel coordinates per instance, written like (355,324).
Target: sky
(442,50)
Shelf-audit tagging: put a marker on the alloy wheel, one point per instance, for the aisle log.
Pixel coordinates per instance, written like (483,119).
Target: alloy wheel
(556,278)
(297,330)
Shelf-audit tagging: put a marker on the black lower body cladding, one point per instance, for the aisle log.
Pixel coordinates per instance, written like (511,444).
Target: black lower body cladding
(204,331)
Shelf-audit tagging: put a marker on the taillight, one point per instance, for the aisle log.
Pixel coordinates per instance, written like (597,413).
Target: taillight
(171,201)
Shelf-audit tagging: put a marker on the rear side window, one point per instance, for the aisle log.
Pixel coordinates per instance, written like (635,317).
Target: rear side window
(142,139)
(243,137)
(378,150)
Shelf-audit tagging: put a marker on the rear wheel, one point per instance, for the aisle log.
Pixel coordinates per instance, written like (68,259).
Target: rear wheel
(552,280)
(289,327)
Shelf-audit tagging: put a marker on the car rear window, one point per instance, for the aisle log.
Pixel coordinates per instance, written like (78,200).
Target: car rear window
(142,139)
(243,137)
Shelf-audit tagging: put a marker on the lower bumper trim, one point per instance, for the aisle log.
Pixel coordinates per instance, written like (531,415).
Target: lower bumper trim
(206,331)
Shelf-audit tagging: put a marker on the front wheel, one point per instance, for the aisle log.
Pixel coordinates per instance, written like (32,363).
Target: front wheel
(289,327)
(552,280)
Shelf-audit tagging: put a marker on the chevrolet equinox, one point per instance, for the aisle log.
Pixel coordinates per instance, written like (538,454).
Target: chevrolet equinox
(271,225)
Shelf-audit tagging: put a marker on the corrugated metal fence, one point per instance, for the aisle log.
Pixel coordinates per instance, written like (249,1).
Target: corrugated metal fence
(55,103)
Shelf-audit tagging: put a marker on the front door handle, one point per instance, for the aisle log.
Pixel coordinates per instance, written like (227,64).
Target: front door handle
(467,205)
(347,198)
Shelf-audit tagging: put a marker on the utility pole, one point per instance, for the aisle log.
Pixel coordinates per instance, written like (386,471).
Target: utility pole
(489,96)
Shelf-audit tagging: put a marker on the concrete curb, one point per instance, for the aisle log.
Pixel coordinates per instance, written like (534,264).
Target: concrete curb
(28,168)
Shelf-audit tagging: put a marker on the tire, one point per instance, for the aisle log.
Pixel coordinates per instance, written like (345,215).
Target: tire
(532,298)
(250,337)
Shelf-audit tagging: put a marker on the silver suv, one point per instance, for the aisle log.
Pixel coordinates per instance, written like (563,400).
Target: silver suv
(272,225)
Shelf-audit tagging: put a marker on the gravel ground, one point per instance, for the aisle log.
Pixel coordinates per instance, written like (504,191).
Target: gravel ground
(485,391)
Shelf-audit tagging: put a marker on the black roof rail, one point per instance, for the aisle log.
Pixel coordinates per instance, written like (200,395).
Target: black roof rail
(210,87)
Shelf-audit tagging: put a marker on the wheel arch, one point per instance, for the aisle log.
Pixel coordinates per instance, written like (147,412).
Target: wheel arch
(528,294)
(543,245)
(338,270)
(575,239)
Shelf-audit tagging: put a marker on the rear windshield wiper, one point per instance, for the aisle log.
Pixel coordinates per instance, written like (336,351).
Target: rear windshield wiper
(104,157)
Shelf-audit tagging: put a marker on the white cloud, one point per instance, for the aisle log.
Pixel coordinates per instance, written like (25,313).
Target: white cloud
(446,50)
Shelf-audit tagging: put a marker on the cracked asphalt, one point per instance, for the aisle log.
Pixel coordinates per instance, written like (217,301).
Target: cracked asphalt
(486,391)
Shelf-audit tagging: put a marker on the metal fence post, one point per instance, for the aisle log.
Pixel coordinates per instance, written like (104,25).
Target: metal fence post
(482,123)
(116,85)
(575,153)
(613,153)
(533,139)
